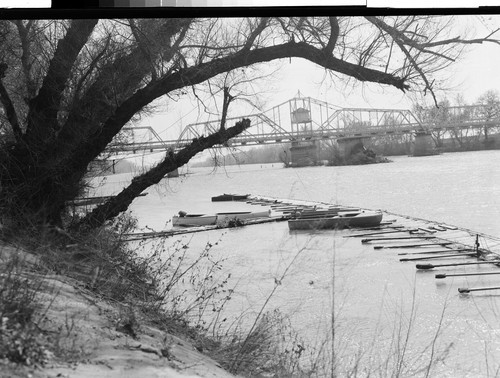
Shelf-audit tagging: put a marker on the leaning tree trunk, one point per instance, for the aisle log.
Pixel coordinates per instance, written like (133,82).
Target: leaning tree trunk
(121,201)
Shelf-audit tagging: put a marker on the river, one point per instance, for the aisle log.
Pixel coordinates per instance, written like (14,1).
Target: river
(378,302)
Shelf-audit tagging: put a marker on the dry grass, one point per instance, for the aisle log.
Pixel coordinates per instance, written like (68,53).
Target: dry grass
(22,340)
(180,291)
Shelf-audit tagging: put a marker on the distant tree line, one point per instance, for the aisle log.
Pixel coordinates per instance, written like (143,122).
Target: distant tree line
(458,111)
(275,153)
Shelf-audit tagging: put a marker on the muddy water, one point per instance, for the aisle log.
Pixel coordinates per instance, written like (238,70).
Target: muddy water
(377,301)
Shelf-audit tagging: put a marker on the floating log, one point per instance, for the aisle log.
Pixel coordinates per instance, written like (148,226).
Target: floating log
(374,233)
(465,290)
(381,226)
(396,238)
(86,201)
(438,257)
(430,252)
(149,235)
(444,275)
(411,245)
(431,266)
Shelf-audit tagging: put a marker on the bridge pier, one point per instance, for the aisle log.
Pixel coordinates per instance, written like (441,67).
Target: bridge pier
(423,144)
(304,153)
(350,146)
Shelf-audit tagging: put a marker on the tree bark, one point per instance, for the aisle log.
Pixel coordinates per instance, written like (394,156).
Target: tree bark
(42,116)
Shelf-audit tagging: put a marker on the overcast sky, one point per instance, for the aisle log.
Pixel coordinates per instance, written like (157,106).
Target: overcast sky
(477,72)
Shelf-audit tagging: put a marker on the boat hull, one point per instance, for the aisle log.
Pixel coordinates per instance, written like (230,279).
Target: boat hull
(230,197)
(194,220)
(362,219)
(241,216)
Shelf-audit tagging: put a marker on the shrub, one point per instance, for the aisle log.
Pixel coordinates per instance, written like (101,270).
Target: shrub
(21,339)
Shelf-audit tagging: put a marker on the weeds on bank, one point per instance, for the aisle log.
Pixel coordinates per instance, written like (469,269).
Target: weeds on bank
(271,347)
(185,291)
(21,340)
(165,285)
(189,284)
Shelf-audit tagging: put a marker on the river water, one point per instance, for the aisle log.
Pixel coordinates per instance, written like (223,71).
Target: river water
(377,302)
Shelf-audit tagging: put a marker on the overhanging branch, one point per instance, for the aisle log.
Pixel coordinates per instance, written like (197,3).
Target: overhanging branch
(95,144)
(121,201)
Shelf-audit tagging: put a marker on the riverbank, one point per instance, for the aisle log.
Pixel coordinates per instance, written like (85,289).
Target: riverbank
(382,301)
(96,336)
(81,334)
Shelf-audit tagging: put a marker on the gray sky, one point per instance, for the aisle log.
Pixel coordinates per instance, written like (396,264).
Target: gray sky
(477,72)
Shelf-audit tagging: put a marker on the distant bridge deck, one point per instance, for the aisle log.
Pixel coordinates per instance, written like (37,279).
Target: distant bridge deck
(307,119)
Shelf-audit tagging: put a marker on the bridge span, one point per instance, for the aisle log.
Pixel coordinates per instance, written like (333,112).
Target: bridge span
(303,121)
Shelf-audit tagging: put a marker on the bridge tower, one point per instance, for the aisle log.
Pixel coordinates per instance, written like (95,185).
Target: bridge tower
(303,152)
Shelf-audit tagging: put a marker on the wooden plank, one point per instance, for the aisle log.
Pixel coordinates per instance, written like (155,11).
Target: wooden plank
(431,252)
(188,230)
(411,245)
(437,257)
(86,201)
(375,233)
(368,240)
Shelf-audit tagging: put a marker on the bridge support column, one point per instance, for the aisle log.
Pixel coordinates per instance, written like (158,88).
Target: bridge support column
(423,144)
(350,146)
(304,153)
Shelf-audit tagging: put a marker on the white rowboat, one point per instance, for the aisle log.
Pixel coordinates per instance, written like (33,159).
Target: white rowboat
(196,220)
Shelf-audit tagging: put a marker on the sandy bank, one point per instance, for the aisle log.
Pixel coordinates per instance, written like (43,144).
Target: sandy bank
(90,335)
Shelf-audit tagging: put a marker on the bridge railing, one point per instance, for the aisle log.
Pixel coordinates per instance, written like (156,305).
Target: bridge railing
(327,121)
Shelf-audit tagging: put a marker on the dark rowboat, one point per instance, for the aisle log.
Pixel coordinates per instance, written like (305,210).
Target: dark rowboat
(340,220)
(230,197)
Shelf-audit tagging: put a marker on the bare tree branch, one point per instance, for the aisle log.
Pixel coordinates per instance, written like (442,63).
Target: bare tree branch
(92,66)
(98,97)
(255,33)
(334,35)
(96,94)
(121,201)
(143,43)
(424,46)
(44,107)
(96,143)
(225,105)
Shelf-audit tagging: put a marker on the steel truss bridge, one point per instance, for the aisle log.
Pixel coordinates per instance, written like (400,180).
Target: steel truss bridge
(308,119)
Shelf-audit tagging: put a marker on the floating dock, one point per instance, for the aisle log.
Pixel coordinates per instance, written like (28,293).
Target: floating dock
(429,244)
